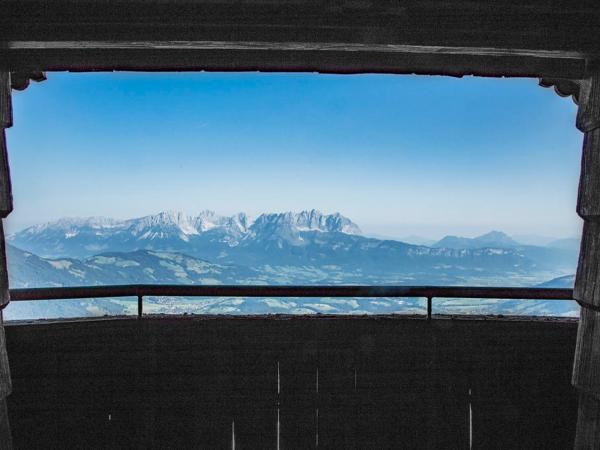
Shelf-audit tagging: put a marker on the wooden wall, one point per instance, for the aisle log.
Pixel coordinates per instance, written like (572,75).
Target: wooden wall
(337,383)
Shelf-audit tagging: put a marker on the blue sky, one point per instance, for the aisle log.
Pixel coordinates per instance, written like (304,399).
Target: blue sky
(399,155)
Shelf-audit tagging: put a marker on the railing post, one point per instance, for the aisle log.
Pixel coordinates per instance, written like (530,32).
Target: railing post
(429,306)
(140,308)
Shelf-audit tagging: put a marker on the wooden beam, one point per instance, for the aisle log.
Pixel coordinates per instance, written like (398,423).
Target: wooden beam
(97,57)
(6,206)
(531,24)
(586,370)
(5,100)
(588,421)
(491,38)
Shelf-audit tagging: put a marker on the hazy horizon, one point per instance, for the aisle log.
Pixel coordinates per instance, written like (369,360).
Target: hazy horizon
(398,155)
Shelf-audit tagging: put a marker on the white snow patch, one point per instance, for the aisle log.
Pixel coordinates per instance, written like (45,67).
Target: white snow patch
(127,263)
(60,264)
(276,303)
(105,259)
(95,311)
(320,306)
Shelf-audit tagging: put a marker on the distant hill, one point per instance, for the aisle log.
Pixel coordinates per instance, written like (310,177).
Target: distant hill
(147,266)
(566,244)
(140,266)
(493,239)
(562,256)
(567,281)
(418,240)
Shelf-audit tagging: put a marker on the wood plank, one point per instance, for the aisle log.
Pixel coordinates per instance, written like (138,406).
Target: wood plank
(513,401)
(449,379)
(588,114)
(297,386)
(452,38)
(6,199)
(586,370)
(336,398)
(588,423)
(187,380)
(428,23)
(588,206)
(4,292)
(6,117)
(5,378)
(588,268)
(5,431)
(275,60)
(254,398)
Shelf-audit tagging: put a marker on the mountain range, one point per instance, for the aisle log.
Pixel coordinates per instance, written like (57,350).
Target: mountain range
(278,248)
(176,231)
(308,237)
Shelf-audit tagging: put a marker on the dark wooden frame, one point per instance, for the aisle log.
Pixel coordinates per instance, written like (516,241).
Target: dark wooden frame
(558,41)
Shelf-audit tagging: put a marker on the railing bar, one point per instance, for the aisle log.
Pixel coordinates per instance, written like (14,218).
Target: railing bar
(429,307)
(140,306)
(470,292)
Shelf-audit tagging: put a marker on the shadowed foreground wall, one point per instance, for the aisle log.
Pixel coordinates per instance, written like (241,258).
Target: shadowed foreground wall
(341,383)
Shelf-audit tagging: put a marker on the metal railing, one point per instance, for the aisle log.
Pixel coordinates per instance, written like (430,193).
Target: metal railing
(163,290)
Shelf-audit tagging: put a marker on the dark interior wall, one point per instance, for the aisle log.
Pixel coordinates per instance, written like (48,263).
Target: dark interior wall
(346,383)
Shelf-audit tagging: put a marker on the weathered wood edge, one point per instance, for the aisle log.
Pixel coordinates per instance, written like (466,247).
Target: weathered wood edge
(337,61)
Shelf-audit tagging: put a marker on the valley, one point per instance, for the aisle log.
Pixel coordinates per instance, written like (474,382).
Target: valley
(280,248)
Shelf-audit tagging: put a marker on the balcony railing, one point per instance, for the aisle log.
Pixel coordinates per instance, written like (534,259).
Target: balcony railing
(162,290)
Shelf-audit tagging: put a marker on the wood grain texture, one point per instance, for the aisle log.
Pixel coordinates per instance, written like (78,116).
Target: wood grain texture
(588,198)
(6,198)
(5,380)
(275,60)
(6,118)
(588,114)
(181,382)
(586,370)
(587,287)
(587,436)
(6,442)
(508,24)
(4,291)
(563,87)
(20,80)
(349,36)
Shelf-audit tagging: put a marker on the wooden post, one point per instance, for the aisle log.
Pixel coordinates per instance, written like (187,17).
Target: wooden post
(586,370)
(5,209)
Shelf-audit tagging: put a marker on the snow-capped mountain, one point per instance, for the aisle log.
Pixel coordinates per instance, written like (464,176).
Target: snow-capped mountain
(82,237)
(312,220)
(307,238)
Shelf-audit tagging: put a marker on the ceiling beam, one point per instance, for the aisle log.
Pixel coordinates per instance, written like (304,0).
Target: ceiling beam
(492,38)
